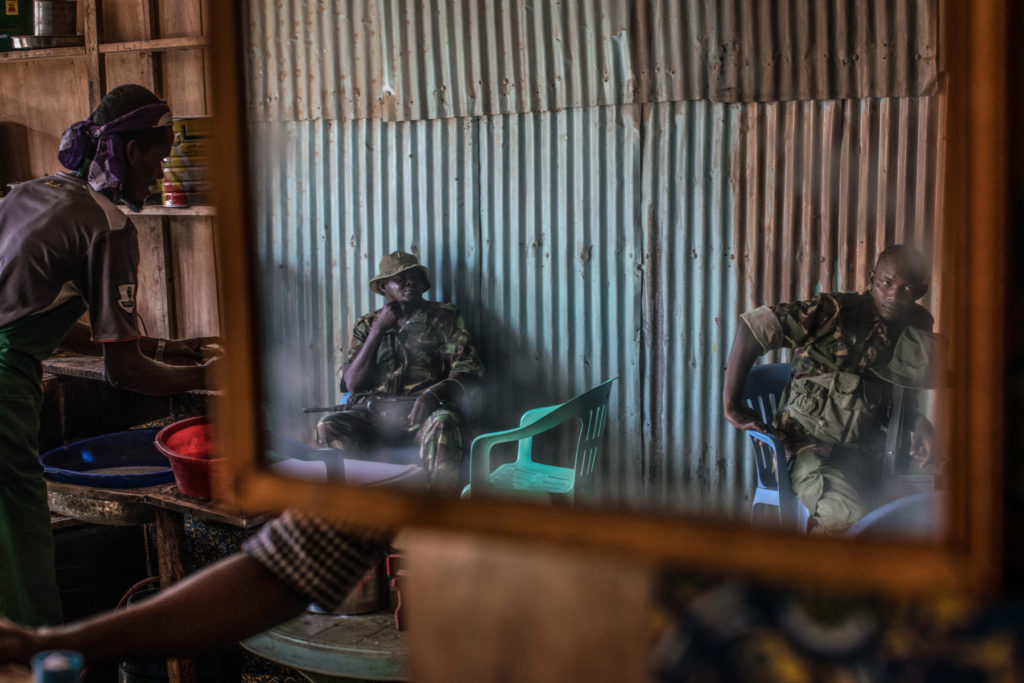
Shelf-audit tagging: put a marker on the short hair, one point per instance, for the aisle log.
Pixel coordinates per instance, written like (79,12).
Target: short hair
(126,98)
(909,258)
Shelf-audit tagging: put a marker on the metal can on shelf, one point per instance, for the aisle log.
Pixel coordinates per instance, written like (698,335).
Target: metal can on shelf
(185,168)
(54,17)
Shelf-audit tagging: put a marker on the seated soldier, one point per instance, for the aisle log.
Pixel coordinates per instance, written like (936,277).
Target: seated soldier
(406,368)
(834,412)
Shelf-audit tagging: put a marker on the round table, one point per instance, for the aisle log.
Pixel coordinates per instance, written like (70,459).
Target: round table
(326,647)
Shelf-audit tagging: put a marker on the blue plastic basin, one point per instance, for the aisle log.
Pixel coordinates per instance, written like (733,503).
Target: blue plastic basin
(122,460)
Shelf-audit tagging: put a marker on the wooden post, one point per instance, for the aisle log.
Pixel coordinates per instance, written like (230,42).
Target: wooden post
(94,67)
(169,536)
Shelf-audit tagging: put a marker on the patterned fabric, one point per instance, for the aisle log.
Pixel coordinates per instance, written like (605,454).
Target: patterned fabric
(360,432)
(105,145)
(715,630)
(432,344)
(255,669)
(207,541)
(320,561)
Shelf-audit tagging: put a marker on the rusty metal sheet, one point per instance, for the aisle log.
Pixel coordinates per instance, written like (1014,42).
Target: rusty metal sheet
(341,59)
(823,187)
(696,460)
(781,50)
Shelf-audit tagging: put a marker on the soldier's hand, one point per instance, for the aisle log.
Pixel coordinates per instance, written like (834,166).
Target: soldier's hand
(744,417)
(922,447)
(388,316)
(426,404)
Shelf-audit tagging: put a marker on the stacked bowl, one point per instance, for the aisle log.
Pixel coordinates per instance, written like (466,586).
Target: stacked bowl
(186,171)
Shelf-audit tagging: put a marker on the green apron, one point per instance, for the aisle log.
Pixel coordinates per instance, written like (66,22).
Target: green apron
(28,584)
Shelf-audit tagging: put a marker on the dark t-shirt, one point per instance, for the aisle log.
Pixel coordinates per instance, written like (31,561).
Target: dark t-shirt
(60,240)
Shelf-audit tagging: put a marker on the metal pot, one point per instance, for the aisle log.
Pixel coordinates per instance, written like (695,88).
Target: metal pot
(370,594)
(54,17)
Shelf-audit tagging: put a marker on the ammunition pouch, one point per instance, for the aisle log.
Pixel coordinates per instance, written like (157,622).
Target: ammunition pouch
(836,407)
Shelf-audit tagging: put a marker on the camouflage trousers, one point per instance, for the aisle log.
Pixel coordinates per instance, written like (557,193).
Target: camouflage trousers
(837,483)
(439,437)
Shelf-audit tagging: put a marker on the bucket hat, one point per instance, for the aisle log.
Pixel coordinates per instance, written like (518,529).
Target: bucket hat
(918,361)
(394,263)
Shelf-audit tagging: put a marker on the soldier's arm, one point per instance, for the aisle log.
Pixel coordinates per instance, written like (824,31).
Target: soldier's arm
(742,356)
(922,441)
(358,375)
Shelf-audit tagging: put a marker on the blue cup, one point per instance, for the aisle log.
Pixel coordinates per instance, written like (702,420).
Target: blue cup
(56,666)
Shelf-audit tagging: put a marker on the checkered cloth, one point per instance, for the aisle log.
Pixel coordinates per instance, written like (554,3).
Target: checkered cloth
(315,558)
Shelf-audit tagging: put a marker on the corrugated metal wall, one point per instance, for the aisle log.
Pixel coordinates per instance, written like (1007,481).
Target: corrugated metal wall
(601,186)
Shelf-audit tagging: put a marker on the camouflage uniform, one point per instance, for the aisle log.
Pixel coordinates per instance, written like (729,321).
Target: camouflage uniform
(431,345)
(833,332)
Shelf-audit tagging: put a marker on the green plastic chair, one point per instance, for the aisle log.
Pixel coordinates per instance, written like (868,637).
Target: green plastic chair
(526,479)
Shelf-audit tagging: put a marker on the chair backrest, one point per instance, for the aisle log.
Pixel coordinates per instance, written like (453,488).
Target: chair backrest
(591,409)
(763,392)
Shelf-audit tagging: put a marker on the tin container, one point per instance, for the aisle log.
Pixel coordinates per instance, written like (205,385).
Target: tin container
(188,128)
(178,193)
(54,17)
(186,174)
(370,594)
(38,42)
(186,170)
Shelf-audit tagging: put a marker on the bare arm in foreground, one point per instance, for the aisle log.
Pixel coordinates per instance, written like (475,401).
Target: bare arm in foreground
(228,601)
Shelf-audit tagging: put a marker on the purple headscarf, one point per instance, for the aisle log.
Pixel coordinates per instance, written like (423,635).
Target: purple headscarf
(107,170)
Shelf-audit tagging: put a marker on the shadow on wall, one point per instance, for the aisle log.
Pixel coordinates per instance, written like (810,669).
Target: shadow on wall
(14,156)
(513,381)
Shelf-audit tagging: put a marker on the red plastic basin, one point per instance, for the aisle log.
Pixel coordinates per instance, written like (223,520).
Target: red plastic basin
(188,444)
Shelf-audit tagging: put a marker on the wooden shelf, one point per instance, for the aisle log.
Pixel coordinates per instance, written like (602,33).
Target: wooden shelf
(155,45)
(42,53)
(172,211)
(157,210)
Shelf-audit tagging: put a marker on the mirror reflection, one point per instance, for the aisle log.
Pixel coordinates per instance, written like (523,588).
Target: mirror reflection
(639,263)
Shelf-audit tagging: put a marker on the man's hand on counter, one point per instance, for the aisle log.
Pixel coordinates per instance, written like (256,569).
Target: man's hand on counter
(191,351)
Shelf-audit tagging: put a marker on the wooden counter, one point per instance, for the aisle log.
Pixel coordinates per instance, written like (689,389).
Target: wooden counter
(91,367)
(122,507)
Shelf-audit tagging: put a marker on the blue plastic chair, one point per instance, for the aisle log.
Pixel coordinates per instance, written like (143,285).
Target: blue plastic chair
(762,392)
(527,478)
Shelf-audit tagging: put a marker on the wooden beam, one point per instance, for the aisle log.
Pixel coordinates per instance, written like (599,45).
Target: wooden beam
(95,73)
(157,45)
(41,53)
(153,74)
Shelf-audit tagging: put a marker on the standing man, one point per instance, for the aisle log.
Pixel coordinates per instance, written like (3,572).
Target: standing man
(67,249)
(410,349)
(836,406)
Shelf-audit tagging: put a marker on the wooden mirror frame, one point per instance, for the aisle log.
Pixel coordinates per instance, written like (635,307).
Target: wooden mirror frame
(975,253)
